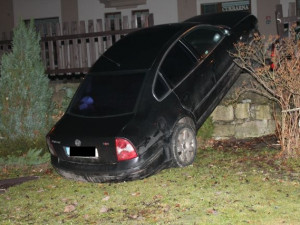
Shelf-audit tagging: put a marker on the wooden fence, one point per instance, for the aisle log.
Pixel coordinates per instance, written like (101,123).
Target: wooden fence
(72,48)
(285,23)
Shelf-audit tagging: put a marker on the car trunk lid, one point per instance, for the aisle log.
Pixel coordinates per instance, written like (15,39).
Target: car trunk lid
(92,140)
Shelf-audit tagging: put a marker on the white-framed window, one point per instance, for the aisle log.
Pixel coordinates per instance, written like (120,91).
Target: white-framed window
(112,17)
(139,16)
(41,25)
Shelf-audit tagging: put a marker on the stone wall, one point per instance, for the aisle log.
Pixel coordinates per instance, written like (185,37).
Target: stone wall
(251,115)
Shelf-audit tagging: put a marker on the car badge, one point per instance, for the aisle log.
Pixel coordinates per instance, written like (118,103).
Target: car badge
(77,142)
(105,143)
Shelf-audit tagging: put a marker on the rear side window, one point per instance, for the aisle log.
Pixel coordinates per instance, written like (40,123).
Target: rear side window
(178,62)
(204,40)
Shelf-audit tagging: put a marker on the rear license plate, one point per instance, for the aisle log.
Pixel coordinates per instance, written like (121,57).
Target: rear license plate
(81,152)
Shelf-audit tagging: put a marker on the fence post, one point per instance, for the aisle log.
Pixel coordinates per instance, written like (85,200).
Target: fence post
(151,20)
(92,42)
(66,46)
(59,48)
(74,30)
(117,27)
(43,46)
(83,46)
(108,37)
(134,21)
(99,28)
(125,24)
(50,47)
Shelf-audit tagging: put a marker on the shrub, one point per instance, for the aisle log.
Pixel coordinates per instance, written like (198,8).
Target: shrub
(279,82)
(32,157)
(20,146)
(25,97)
(206,130)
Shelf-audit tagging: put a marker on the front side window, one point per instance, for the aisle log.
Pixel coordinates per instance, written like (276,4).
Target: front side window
(204,40)
(177,64)
(107,95)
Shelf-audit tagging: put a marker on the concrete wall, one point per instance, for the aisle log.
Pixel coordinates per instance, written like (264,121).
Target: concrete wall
(186,9)
(69,10)
(285,6)
(164,11)
(6,16)
(266,16)
(36,9)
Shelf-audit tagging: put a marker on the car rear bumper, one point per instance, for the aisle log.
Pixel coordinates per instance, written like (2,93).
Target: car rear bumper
(137,168)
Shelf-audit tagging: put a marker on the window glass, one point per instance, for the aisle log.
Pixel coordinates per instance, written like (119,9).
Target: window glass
(107,95)
(178,62)
(114,17)
(41,25)
(138,50)
(114,22)
(140,17)
(209,8)
(160,87)
(203,40)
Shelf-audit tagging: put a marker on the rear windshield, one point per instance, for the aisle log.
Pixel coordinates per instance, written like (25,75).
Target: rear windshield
(107,95)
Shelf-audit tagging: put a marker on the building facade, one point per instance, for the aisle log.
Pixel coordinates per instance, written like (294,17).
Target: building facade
(166,11)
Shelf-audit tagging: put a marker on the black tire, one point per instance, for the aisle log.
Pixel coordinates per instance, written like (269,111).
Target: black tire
(183,145)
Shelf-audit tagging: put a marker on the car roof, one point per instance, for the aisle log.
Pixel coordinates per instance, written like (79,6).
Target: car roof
(228,19)
(139,49)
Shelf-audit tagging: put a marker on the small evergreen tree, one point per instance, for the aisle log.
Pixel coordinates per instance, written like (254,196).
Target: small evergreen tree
(25,96)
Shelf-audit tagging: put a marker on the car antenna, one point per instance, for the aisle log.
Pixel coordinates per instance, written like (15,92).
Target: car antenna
(113,61)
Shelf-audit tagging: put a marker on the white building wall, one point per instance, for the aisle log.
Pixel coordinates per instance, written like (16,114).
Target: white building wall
(37,9)
(164,11)
(285,6)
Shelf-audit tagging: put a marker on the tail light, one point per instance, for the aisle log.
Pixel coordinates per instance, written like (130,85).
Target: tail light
(125,149)
(50,146)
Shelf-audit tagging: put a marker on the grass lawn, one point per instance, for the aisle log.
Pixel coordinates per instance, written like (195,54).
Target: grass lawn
(231,186)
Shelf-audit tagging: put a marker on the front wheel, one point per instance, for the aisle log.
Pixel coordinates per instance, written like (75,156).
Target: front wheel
(183,145)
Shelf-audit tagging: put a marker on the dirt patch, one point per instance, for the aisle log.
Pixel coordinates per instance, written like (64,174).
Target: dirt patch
(4,184)
(259,143)
(269,141)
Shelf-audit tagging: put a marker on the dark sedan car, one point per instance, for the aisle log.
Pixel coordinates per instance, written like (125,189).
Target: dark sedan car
(138,109)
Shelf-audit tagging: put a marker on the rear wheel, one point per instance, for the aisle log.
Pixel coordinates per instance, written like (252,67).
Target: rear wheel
(183,145)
